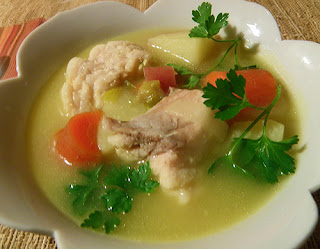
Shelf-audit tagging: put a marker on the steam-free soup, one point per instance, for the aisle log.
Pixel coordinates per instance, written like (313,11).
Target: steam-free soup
(212,202)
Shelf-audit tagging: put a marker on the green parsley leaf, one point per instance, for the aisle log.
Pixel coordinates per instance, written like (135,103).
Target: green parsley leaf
(84,195)
(94,221)
(229,96)
(202,14)
(118,200)
(104,199)
(118,176)
(99,219)
(219,23)
(208,24)
(199,31)
(122,183)
(131,180)
(261,158)
(111,222)
(139,179)
(269,157)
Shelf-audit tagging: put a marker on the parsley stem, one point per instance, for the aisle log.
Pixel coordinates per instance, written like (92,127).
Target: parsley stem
(257,107)
(237,64)
(247,130)
(236,40)
(269,108)
(236,55)
(265,113)
(221,60)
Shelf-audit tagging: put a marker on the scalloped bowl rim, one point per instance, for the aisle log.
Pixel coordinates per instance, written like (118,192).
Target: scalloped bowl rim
(285,222)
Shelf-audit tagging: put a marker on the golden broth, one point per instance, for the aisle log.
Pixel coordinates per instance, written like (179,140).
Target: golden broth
(218,201)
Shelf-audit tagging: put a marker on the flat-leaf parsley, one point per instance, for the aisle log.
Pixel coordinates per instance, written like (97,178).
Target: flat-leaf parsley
(208,24)
(109,192)
(228,96)
(208,27)
(262,157)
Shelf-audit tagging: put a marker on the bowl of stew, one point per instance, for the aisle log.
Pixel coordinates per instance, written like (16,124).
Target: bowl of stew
(191,125)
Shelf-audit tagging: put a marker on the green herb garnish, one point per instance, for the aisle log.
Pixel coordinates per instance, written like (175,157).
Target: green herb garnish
(107,193)
(228,96)
(262,157)
(208,24)
(208,27)
(99,219)
(84,196)
(123,183)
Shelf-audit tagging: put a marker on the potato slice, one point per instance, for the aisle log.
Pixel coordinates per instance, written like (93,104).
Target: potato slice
(179,46)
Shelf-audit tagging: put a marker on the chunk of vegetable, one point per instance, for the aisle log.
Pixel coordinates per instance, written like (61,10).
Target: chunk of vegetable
(260,89)
(77,142)
(178,45)
(150,92)
(121,103)
(112,95)
(165,74)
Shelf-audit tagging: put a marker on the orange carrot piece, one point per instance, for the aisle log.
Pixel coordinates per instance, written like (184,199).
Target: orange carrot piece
(213,76)
(77,142)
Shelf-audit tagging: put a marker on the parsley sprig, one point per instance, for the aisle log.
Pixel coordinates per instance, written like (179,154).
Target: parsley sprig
(108,193)
(208,24)
(101,219)
(228,96)
(122,183)
(208,27)
(84,196)
(260,157)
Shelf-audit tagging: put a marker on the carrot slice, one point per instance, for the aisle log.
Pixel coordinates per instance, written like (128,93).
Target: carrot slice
(261,89)
(77,142)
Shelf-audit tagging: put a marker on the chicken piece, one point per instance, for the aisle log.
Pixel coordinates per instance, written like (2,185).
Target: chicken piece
(173,136)
(107,66)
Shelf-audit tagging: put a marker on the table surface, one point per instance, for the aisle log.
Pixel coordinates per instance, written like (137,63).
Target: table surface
(297,20)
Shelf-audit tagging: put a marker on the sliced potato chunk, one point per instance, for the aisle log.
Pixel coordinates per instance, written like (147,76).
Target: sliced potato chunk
(180,46)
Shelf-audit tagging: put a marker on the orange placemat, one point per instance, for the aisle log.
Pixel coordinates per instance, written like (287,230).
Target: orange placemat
(10,39)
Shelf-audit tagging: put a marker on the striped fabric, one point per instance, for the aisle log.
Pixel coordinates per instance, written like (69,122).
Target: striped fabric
(10,39)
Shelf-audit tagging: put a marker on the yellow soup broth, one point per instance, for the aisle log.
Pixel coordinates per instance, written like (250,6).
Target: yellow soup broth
(217,201)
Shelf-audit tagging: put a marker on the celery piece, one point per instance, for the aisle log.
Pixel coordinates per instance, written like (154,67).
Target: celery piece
(150,92)
(112,95)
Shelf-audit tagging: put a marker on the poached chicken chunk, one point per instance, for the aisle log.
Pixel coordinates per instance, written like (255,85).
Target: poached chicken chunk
(107,66)
(170,135)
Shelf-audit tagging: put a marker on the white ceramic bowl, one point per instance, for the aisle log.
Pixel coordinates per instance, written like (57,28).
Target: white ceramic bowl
(283,223)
